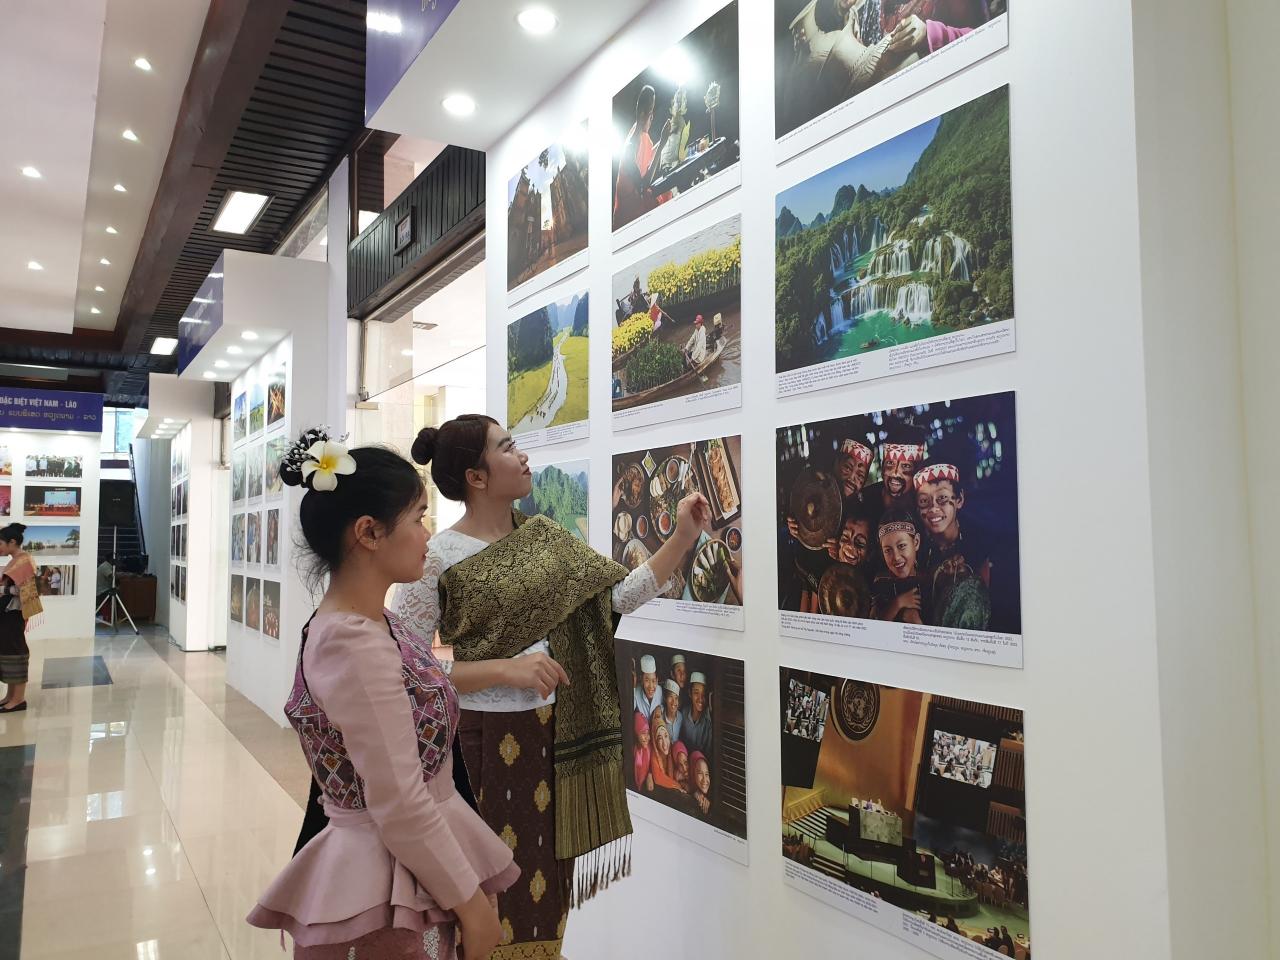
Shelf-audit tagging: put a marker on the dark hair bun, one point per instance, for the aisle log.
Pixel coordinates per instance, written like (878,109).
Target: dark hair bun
(290,476)
(424,446)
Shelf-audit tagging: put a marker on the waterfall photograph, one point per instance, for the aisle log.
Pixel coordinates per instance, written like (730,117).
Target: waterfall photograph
(905,242)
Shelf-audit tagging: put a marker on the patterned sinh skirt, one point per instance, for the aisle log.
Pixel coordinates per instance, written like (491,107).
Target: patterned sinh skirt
(509,760)
(15,655)
(435,943)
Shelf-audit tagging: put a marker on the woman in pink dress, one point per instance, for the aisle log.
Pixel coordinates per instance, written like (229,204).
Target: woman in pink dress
(405,867)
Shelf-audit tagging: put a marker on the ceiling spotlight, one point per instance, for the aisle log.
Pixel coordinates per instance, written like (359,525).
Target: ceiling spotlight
(164,347)
(142,63)
(248,335)
(33,265)
(210,375)
(119,188)
(234,350)
(31,172)
(105,262)
(130,135)
(459,104)
(112,230)
(537,20)
(168,419)
(99,289)
(406,353)
(94,310)
(239,212)
(221,364)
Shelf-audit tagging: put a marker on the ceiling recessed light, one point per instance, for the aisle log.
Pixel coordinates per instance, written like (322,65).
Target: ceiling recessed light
(248,335)
(99,289)
(119,188)
(168,419)
(221,364)
(406,353)
(537,20)
(459,104)
(33,265)
(94,310)
(142,63)
(164,347)
(105,262)
(31,172)
(130,135)
(234,350)
(210,375)
(112,230)
(240,210)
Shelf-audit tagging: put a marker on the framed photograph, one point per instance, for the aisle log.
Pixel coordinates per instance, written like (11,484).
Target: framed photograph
(271,609)
(254,468)
(898,530)
(276,447)
(239,418)
(253,603)
(54,466)
(239,476)
(907,810)
(404,231)
(51,501)
(561,493)
(547,204)
(273,538)
(56,581)
(257,409)
(253,538)
(237,598)
(6,499)
(277,397)
(238,532)
(676,129)
(547,372)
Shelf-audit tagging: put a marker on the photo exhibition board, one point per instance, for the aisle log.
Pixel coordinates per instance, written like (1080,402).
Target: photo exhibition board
(49,481)
(684,743)
(957,119)
(260,547)
(547,363)
(180,480)
(908,811)
(547,215)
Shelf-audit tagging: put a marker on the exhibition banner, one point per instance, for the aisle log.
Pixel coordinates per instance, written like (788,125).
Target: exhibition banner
(907,810)
(706,589)
(25,409)
(547,372)
(898,529)
(899,258)
(684,743)
(203,316)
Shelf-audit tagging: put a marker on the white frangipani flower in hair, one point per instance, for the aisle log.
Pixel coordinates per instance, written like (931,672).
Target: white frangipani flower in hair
(327,461)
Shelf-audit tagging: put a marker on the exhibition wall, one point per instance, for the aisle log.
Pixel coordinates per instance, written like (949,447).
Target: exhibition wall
(913,347)
(49,481)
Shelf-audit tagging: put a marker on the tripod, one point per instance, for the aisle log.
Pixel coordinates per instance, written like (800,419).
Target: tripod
(112,595)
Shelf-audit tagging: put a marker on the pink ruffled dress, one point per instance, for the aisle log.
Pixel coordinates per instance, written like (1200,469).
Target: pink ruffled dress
(377,720)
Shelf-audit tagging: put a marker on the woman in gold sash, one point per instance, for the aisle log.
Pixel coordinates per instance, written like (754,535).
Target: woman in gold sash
(19,602)
(530,613)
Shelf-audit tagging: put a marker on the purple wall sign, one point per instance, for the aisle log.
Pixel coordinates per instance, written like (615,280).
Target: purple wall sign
(396,32)
(50,410)
(202,317)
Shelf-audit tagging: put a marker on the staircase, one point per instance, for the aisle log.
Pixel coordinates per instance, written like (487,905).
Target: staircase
(120,526)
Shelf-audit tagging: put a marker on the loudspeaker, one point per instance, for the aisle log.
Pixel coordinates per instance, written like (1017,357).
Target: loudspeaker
(116,509)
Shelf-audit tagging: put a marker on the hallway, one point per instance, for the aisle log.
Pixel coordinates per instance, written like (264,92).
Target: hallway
(153,804)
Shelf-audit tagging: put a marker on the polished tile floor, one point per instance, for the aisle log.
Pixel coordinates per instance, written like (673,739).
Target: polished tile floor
(143,805)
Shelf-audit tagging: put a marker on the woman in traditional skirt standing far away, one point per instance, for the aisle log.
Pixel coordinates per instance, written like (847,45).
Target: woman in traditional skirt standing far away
(19,602)
(530,613)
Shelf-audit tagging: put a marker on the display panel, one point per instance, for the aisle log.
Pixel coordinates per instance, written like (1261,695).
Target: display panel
(547,204)
(54,466)
(899,258)
(684,742)
(677,332)
(898,529)
(870,828)
(561,493)
(51,501)
(675,127)
(648,487)
(837,62)
(547,372)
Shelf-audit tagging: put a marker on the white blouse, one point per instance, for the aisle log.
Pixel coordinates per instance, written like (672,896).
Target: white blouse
(418,604)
